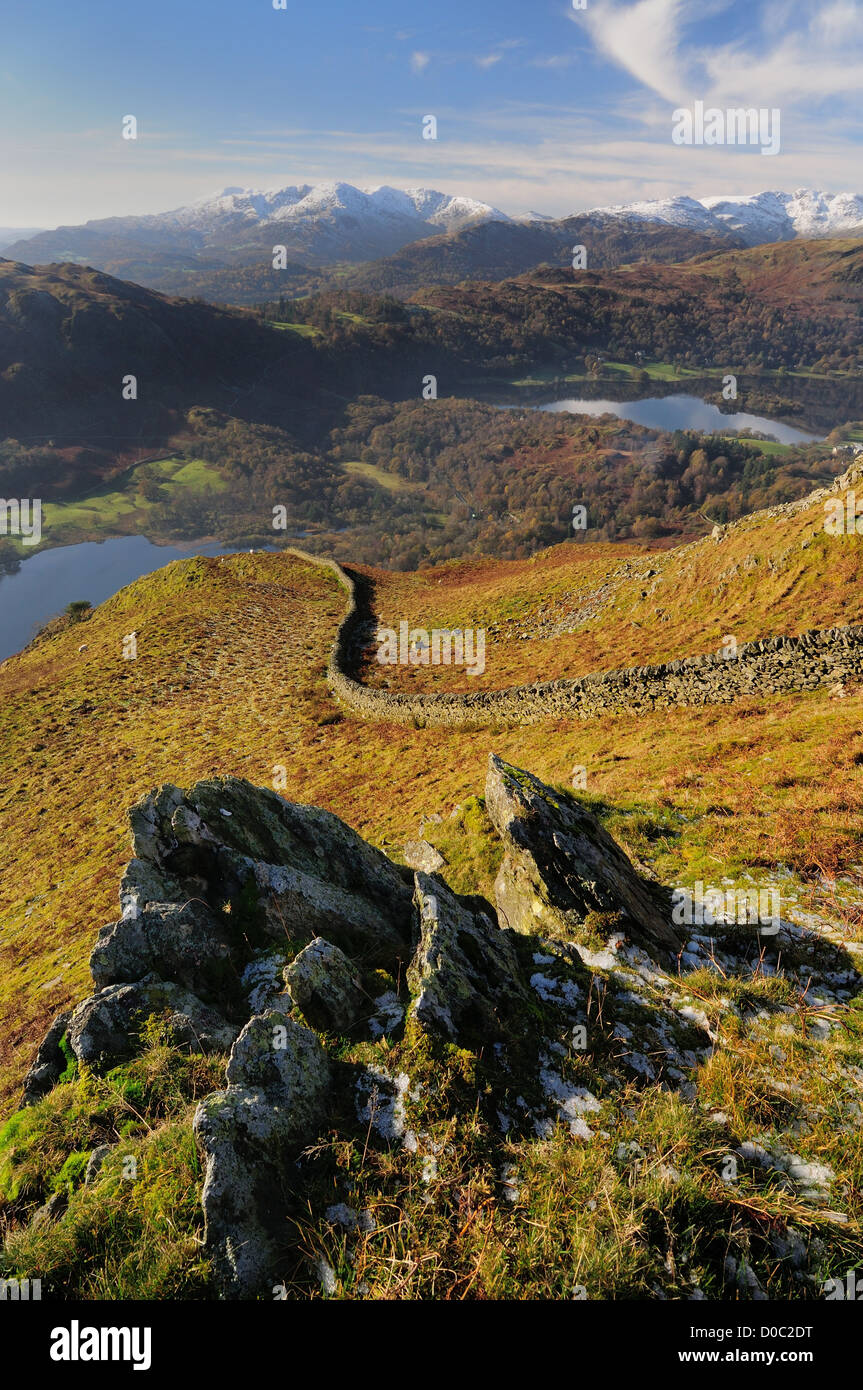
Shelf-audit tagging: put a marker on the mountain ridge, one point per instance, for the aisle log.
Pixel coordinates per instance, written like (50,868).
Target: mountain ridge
(222,247)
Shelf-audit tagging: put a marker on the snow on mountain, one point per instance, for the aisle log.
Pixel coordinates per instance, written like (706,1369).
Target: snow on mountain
(678,212)
(327,201)
(754,218)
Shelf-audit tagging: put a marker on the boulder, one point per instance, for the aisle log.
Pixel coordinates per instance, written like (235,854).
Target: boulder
(269,868)
(95,1162)
(465,974)
(420,854)
(103,1029)
(325,986)
(50,1062)
(184,942)
(275,1103)
(561,864)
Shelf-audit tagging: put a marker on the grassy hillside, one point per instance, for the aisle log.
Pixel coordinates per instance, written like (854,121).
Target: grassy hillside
(575,609)
(230,679)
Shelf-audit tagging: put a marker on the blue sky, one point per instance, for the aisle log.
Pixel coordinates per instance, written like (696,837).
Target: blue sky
(539,106)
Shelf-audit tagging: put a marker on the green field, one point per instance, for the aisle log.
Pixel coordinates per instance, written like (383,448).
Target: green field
(119,508)
(373,474)
(764,446)
(302,330)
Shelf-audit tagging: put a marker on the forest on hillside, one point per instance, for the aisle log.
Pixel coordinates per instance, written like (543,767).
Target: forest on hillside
(412,483)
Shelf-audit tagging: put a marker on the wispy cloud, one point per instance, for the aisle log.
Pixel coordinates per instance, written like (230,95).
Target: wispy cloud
(420,61)
(643,38)
(797,54)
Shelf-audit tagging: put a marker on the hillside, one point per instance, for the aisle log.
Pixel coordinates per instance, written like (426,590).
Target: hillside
(69,335)
(483,250)
(229,682)
(269,410)
(211,693)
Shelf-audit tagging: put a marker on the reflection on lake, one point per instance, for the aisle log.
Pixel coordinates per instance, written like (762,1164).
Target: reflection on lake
(49,580)
(683,413)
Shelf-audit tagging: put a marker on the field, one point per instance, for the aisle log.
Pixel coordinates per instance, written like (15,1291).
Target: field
(391,482)
(121,509)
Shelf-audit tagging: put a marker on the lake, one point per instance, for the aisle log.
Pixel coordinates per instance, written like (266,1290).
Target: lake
(683,413)
(94,570)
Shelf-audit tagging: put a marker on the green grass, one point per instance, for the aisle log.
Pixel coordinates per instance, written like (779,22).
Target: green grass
(302,330)
(131,1232)
(391,482)
(120,508)
(764,446)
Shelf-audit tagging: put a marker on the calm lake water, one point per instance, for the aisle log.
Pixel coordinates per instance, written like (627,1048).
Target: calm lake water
(684,413)
(94,570)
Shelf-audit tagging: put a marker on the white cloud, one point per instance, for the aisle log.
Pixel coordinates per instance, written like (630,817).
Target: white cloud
(420,61)
(489,61)
(799,54)
(643,38)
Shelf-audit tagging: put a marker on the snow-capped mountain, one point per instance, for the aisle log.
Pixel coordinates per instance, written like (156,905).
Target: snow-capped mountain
(317,223)
(235,208)
(221,247)
(753,218)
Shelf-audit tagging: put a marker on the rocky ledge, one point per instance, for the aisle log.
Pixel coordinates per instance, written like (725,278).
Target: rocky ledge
(272,932)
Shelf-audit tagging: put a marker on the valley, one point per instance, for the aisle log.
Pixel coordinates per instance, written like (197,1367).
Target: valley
(431,816)
(230,682)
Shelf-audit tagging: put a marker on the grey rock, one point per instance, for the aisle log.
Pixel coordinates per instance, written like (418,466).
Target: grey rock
(94,1164)
(52,1210)
(420,854)
(49,1064)
(465,973)
(281,869)
(561,864)
(184,942)
(279,1079)
(325,986)
(103,1028)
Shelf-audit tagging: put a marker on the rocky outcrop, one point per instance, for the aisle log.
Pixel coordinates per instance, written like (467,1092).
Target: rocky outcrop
(103,1029)
(561,864)
(272,931)
(465,975)
(218,876)
(326,988)
(270,868)
(50,1062)
(186,942)
(279,1077)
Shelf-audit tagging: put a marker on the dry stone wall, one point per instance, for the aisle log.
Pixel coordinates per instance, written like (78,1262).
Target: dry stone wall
(766,667)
